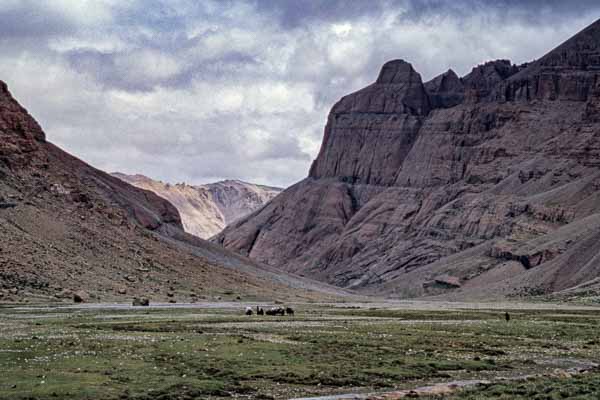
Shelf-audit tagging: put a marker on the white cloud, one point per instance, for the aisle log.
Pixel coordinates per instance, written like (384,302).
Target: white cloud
(85,12)
(146,64)
(188,91)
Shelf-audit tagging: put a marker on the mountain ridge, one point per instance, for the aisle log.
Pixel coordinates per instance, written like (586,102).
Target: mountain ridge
(206,209)
(67,227)
(469,186)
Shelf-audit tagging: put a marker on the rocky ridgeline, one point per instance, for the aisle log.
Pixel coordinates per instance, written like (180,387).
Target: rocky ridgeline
(420,180)
(69,232)
(20,133)
(206,209)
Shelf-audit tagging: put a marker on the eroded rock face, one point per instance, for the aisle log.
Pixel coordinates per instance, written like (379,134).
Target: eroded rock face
(369,132)
(416,181)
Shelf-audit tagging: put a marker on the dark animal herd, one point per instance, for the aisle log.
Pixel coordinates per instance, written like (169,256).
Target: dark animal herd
(270,311)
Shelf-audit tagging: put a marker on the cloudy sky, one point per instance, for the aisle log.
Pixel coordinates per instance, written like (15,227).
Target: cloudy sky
(197,91)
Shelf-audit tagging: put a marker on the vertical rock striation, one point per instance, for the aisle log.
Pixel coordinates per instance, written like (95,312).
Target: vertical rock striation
(368,133)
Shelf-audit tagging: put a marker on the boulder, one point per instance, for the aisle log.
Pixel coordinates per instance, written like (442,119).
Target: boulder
(81,297)
(140,302)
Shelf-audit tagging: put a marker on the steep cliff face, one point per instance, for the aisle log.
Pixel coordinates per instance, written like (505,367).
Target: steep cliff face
(369,132)
(66,226)
(206,209)
(490,181)
(20,133)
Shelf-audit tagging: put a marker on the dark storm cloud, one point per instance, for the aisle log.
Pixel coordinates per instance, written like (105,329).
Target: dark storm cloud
(193,91)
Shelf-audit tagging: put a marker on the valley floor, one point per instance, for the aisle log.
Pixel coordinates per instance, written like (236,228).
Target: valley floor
(346,350)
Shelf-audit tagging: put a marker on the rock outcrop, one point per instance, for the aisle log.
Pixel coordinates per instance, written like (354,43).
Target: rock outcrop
(369,132)
(445,90)
(70,232)
(206,209)
(416,181)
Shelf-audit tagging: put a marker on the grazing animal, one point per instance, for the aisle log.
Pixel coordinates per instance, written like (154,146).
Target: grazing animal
(507,316)
(249,311)
(289,311)
(276,311)
(260,311)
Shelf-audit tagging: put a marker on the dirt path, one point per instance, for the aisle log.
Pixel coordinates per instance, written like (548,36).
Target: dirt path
(421,305)
(434,305)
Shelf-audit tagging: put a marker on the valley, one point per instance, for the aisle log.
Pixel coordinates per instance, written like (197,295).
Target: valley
(443,242)
(207,209)
(354,350)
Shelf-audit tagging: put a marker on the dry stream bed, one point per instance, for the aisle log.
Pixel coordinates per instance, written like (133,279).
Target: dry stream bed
(358,351)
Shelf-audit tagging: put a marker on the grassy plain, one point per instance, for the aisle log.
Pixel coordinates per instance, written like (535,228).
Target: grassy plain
(215,352)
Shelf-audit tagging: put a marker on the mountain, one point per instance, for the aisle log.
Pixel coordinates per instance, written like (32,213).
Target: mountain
(206,209)
(67,227)
(484,186)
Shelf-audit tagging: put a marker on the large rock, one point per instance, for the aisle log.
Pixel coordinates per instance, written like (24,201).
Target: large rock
(81,296)
(140,302)
(416,181)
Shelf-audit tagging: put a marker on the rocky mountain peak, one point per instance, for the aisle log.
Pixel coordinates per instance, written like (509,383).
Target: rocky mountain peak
(482,183)
(206,209)
(581,51)
(569,72)
(445,90)
(483,78)
(370,131)
(15,120)
(397,72)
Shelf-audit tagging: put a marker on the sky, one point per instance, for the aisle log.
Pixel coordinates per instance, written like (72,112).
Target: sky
(199,91)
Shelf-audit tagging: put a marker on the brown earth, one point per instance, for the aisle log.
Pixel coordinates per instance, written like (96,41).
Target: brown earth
(206,209)
(67,228)
(482,186)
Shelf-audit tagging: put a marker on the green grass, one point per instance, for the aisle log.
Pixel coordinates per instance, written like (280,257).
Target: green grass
(580,387)
(214,354)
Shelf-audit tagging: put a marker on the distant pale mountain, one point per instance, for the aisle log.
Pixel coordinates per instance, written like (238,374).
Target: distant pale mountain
(207,209)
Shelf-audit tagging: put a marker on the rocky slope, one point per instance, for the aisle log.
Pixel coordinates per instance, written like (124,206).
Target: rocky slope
(206,209)
(67,227)
(482,186)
